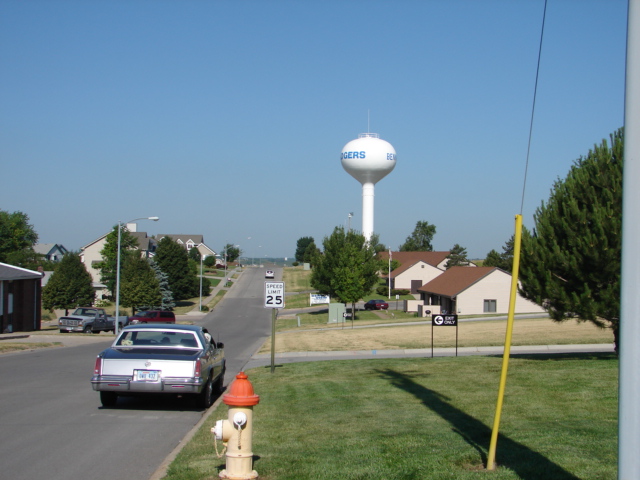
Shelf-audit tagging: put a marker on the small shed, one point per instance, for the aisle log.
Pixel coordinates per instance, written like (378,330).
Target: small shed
(20,299)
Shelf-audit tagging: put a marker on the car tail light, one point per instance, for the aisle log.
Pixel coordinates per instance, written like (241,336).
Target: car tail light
(198,369)
(97,370)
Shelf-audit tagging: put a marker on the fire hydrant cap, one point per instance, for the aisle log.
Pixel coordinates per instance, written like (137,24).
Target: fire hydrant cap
(241,393)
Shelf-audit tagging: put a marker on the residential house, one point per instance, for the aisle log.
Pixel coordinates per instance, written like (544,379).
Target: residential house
(51,251)
(472,291)
(20,299)
(416,268)
(90,256)
(189,242)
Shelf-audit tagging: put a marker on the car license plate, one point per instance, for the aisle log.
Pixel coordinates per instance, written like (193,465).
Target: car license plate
(145,375)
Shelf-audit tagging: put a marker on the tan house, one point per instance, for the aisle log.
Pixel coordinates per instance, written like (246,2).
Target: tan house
(90,256)
(472,291)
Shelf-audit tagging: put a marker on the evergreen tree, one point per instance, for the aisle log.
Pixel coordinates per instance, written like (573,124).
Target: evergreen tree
(571,261)
(457,257)
(502,260)
(421,238)
(166,296)
(301,247)
(139,286)
(108,265)
(348,269)
(70,285)
(493,259)
(173,260)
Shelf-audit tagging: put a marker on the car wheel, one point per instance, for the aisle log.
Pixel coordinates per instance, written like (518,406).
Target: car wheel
(64,331)
(219,388)
(108,399)
(87,329)
(205,399)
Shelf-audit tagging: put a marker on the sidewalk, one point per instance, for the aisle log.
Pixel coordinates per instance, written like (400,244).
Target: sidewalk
(263,359)
(214,291)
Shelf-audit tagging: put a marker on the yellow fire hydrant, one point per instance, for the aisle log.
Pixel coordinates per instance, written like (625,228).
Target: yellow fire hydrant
(237,431)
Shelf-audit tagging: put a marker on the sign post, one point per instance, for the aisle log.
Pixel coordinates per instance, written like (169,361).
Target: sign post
(273,299)
(442,320)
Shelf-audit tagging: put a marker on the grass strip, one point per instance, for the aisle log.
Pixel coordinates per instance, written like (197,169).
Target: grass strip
(425,418)
(532,331)
(8,347)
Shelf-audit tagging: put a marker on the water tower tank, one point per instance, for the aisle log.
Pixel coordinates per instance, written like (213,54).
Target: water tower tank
(368,159)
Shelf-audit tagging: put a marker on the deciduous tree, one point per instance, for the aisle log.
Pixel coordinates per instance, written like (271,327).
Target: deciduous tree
(301,247)
(69,286)
(570,263)
(348,268)
(421,238)
(173,260)
(17,237)
(139,286)
(108,265)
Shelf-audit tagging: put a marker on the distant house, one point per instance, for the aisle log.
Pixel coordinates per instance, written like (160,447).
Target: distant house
(90,255)
(20,299)
(189,242)
(472,291)
(51,251)
(416,268)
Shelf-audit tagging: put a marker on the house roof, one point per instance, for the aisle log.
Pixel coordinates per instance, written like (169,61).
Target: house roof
(184,239)
(404,267)
(409,259)
(47,248)
(456,280)
(11,272)
(143,240)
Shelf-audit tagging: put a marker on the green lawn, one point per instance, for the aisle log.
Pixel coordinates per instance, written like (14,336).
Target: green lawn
(426,419)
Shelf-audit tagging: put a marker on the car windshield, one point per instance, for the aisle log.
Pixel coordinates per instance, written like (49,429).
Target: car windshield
(158,338)
(143,314)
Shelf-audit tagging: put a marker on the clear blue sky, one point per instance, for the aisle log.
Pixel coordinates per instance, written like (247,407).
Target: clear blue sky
(227,118)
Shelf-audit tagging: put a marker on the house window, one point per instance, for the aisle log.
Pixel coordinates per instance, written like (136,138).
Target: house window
(490,306)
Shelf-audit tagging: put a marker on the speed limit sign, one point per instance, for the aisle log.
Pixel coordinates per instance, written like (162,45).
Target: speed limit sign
(274,294)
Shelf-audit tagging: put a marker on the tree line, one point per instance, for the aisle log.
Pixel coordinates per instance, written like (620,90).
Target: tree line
(171,275)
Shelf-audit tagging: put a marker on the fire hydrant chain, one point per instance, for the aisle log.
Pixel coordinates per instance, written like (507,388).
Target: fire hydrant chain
(215,444)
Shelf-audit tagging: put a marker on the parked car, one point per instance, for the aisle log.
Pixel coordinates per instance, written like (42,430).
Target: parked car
(376,305)
(162,359)
(269,274)
(152,316)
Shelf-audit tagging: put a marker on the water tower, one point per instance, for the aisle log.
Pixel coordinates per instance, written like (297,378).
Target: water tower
(368,159)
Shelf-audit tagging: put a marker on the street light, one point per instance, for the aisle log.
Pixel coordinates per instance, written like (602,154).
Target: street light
(115,322)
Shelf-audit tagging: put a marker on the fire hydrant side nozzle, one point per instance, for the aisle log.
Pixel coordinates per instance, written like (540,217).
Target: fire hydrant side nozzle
(237,430)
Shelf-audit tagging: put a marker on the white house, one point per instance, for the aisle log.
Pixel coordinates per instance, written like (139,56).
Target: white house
(472,291)
(189,242)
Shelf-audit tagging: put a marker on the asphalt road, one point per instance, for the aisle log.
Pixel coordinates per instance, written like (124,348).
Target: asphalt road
(54,427)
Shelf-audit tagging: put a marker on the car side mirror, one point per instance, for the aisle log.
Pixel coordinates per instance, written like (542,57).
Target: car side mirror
(220,345)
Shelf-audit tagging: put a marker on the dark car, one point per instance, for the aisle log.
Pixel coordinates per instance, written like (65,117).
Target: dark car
(376,305)
(152,316)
